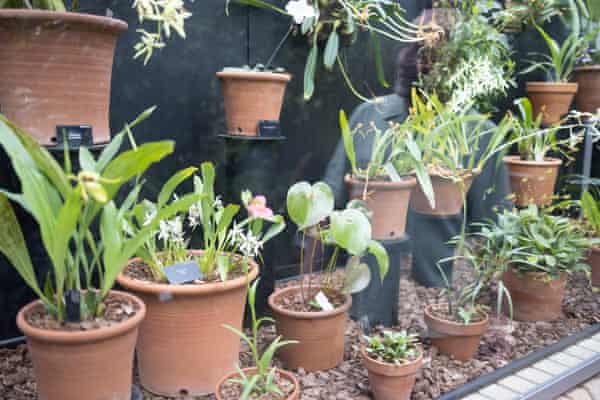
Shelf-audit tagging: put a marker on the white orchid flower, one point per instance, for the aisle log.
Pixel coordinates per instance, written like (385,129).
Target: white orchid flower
(300,10)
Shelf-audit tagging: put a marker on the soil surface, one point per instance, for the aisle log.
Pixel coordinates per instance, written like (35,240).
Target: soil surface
(141,271)
(503,342)
(294,301)
(117,309)
(232,391)
(443,314)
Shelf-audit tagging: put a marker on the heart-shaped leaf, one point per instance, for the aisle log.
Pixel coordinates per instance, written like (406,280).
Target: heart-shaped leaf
(351,230)
(357,276)
(308,205)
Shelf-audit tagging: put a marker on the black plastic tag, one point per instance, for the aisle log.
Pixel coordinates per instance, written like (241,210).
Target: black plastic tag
(269,128)
(76,136)
(73,305)
(183,273)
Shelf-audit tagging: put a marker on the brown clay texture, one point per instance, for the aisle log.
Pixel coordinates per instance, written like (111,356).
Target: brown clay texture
(532,182)
(594,261)
(391,381)
(250,97)
(320,334)
(552,98)
(95,364)
(452,338)
(533,298)
(448,197)
(588,96)
(183,346)
(388,201)
(295,395)
(55,69)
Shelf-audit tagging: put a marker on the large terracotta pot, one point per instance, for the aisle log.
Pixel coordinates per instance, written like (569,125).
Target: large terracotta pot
(594,261)
(588,96)
(533,298)
(295,395)
(391,381)
(447,193)
(183,347)
(55,69)
(552,98)
(95,364)
(320,334)
(452,338)
(251,96)
(532,182)
(388,201)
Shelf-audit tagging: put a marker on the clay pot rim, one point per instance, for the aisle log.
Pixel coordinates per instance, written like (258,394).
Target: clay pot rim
(78,337)
(294,395)
(480,325)
(99,22)
(595,249)
(210,288)
(409,368)
(408,182)
(306,314)
(588,68)
(553,87)
(548,161)
(255,75)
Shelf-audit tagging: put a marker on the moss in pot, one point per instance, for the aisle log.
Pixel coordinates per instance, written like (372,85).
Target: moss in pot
(315,315)
(189,313)
(77,322)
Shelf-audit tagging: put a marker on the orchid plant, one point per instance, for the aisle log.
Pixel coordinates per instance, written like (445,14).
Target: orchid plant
(311,208)
(228,245)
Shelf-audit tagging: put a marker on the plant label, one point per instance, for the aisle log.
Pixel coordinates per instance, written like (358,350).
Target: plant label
(183,273)
(269,128)
(74,136)
(323,302)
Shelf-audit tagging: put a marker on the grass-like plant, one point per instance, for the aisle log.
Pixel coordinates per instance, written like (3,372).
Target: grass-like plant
(393,347)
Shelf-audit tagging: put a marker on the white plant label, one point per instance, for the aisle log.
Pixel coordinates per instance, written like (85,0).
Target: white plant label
(323,302)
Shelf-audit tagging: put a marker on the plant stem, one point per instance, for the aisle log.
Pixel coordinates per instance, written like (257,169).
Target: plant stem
(302,267)
(278,48)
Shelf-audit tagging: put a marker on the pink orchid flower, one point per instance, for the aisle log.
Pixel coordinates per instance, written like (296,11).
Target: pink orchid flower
(258,208)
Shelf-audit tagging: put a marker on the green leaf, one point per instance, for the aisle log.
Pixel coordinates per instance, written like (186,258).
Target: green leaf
(379,69)
(357,276)
(381,255)
(310,71)
(223,266)
(174,181)
(331,50)
(348,141)
(277,226)
(351,230)
(308,205)
(86,160)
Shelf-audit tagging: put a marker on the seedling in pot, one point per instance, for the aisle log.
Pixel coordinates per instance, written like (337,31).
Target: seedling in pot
(393,347)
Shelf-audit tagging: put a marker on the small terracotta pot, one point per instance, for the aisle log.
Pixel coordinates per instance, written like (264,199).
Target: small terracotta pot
(320,334)
(183,347)
(251,96)
(452,338)
(588,96)
(56,69)
(388,201)
(96,364)
(552,98)
(533,298)
(594,261)
(249,371)
(447,194)
(532,182)
(391,381)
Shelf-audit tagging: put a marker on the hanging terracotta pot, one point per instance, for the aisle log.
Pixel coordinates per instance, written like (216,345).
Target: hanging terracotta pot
(251,96)
(95,364)
(452,338)
(532,182)
(388,201)
(391,381)
(320,334)
(183,348)
(534,298)
(295,395)
(594,261)
(447,193)
(552,98)
(55,69)
(588,96)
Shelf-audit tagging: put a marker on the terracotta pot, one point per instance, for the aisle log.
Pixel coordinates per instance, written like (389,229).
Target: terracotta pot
(388,201)
(588,96)
(55,69)
(96,364)
(183,347)
(447,194)
(532,182)
(594,261)
(533,298)
(250,97)
(391,381)
(452,338)
(552,98)
(321,334)
(248,371)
